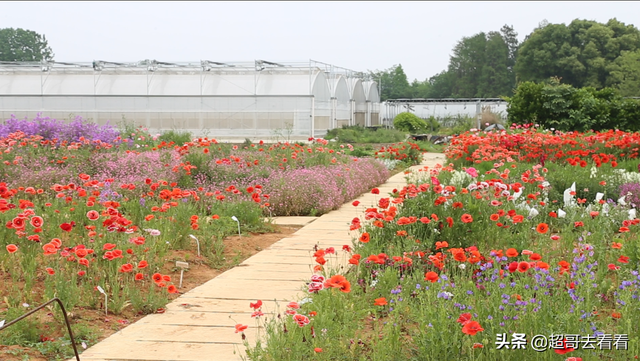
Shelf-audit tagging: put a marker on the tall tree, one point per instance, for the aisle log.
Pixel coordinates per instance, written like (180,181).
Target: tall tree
(580,53)
(441,85)
(510,37)
(495,78)
(23,45)
(480,65)
(466,65)
(624,74)
(393,82)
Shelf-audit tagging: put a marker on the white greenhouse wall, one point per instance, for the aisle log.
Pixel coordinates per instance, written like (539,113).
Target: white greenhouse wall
(233,102)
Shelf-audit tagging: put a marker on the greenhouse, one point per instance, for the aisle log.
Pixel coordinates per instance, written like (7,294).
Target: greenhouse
(358,102)
(222,100)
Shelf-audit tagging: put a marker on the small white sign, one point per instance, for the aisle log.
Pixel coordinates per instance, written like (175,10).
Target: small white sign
(182,264)
(1,323)
(101,290)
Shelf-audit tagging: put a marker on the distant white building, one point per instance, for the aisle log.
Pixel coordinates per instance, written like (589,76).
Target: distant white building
(222,100)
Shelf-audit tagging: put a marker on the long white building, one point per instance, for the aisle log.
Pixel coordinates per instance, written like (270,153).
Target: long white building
(222,100)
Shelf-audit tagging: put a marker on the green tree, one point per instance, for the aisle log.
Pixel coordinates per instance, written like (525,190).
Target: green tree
(580,54)
(495,77)
(624,73)
(510,37)
(480,66)
(23,45)
(393,82)
(466,65)
(420,89)
(441,85)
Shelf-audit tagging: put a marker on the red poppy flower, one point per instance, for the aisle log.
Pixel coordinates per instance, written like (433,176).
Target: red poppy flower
(535,257)
(172,289)
(12,248)
(513,266)
(380,301)
(317,349)
(256,305)
(338,281)
(365,238)
(49,248)
(139,277)
(511,252)
(66,227)
(36,221)
(466,218)
(93,215)
(157,277)
(623,259)
(542,265)
(542,228)
(613,267)
(355,203)
(241,327)
(126,268)
(431,276)
(464,318)
(564,349)
(523,266)
(471,328)
(375,191)
(50,271)
(443,244)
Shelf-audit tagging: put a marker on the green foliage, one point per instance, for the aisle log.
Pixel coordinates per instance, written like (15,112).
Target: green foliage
(23,45)
(393,83)
(358,134)
(625,73)
(563,107)
(481,66)
(179,137)
(580,53)
(409,122)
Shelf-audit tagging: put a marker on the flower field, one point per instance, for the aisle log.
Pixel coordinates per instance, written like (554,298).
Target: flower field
(92,212)
(524,246)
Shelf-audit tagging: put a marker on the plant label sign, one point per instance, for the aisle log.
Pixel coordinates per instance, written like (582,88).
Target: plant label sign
(182,264)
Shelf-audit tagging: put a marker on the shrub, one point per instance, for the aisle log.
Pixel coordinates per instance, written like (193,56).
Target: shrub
(563,107)
(409,122)
(359,134)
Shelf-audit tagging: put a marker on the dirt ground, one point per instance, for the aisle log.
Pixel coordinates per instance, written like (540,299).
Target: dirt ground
(236,250)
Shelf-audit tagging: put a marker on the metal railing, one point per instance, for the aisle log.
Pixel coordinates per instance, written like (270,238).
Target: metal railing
(66,320)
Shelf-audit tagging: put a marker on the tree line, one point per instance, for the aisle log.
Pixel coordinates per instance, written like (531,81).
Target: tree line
(584,53)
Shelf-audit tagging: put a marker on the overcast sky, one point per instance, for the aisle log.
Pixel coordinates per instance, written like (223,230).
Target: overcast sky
(357,35)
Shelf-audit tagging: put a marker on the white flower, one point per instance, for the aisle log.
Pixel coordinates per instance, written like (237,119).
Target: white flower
(305,300)
(462,266)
